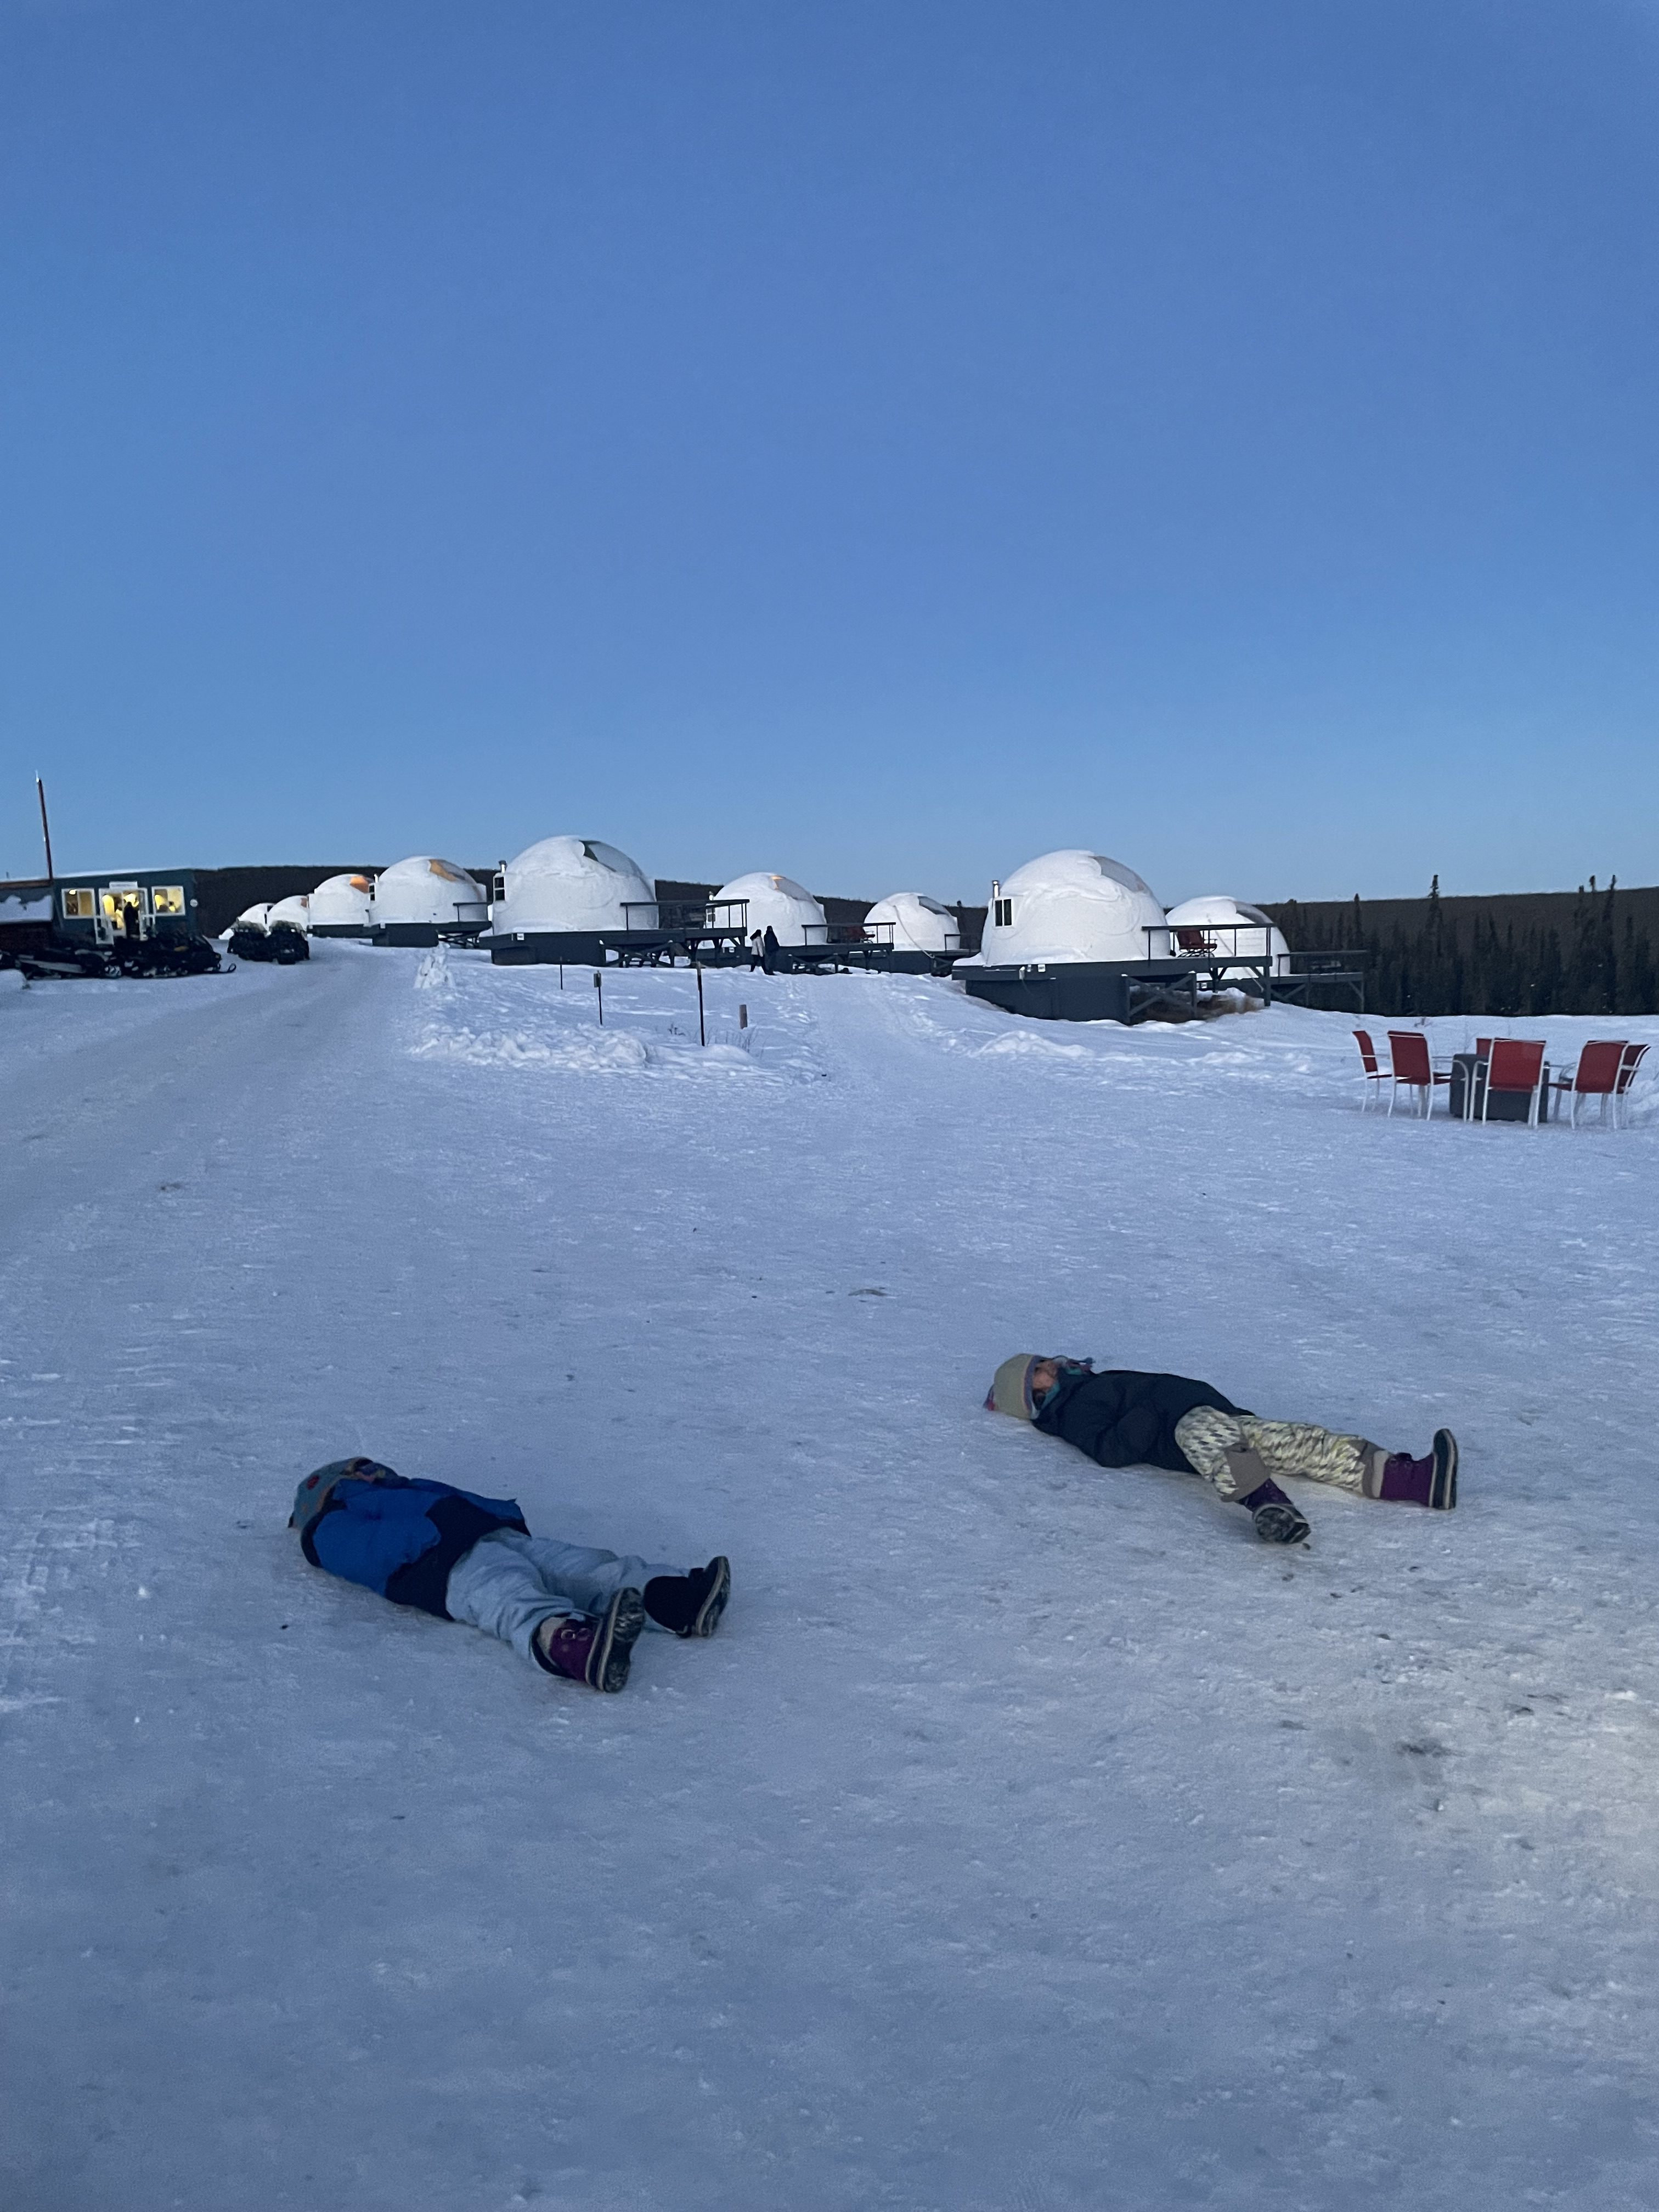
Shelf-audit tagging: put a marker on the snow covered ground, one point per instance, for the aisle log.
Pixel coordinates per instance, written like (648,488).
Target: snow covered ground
(1030,1837)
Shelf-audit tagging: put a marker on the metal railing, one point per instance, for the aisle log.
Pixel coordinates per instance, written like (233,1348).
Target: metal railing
(702,917)
(1197,940)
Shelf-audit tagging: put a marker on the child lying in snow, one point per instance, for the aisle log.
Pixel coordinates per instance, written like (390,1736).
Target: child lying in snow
(574,1611)
(1125,1419)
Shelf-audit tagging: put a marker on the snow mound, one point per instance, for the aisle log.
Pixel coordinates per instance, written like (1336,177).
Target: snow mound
(478,1015)
(1017,1045)
(598,1052)
(433,972)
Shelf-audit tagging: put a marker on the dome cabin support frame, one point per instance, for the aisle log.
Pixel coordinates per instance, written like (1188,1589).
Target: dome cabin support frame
(704,932)
(1174,987)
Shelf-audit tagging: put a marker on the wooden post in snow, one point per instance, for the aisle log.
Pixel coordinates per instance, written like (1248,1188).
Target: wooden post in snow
(45,827)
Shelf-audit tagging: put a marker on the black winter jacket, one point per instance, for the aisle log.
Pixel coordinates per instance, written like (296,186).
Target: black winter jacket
(1124,1419)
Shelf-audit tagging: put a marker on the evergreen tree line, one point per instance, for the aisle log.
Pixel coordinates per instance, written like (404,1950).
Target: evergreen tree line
(1478,959)
(1474,956)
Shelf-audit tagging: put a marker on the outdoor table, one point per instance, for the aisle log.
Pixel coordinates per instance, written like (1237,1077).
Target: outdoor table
(1468,1090)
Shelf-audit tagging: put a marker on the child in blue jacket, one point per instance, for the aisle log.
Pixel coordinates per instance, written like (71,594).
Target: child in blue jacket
(572,1610)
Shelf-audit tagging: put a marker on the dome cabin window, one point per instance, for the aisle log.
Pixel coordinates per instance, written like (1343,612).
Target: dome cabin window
(1003,911)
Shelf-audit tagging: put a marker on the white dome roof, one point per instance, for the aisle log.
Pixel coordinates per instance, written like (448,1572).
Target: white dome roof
(778,903)
(572,883)
(919,924)
(1240,929)
(1074,906)
(424,889)
(252,917)
(342,900)
(295,910)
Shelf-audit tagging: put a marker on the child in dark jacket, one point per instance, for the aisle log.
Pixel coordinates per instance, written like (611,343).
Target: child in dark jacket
(1123,1418)
(572,1610)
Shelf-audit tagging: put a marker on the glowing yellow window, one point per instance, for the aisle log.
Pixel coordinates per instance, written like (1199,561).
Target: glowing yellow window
(79,906)
(167,898)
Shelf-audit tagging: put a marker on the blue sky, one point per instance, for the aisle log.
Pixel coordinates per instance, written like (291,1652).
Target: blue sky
(878,441)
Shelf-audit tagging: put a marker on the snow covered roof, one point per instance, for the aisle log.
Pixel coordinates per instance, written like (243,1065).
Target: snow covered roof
(342,900)
(1235,927)
(572,883)
(26,906)
(424,889)
(778,903)
(1073,905)
(919,924)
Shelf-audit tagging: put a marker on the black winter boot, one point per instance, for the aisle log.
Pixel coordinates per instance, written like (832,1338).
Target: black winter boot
(691,1604)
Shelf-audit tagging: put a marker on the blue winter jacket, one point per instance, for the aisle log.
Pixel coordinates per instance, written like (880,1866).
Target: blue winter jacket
(401,1538)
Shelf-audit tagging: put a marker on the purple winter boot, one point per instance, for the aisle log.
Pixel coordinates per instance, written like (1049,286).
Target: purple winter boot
(1431,1481)
(1277,1520)
(596,1652)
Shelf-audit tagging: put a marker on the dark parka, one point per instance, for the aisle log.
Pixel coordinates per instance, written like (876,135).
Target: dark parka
(401,1537)
(1121,1418)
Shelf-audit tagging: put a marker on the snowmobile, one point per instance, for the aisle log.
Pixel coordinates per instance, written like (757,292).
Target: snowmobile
(282,943)
(148,956)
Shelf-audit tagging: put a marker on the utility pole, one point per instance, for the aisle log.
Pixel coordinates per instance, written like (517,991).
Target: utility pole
(45,827)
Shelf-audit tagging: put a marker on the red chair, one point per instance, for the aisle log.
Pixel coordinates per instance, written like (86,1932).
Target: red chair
(1517,1065)
(1634,1056)
(1409,1050)
(1596,1076)
(1374,1075)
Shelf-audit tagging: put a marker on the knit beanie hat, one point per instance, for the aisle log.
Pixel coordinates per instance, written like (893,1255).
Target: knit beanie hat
(1011,1388)
(312,1496)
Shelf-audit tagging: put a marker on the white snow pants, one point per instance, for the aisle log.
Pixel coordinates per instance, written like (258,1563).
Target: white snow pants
(1207,1434)
(507,1584)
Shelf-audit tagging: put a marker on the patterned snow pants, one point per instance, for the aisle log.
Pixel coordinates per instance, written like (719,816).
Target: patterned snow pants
(1207,1435)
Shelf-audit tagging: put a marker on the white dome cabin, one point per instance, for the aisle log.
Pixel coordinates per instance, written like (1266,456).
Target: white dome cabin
(293,913)
(252,917)
(776,902)
(1071,906)
(567,899)
(909,922)
(342,906)
(424,897)
(1215,923)
(1063,936)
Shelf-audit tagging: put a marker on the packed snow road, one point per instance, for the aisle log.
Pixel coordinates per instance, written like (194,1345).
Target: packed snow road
(1030,1836)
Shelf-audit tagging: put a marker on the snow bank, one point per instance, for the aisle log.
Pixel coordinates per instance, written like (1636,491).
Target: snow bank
(521,1017)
